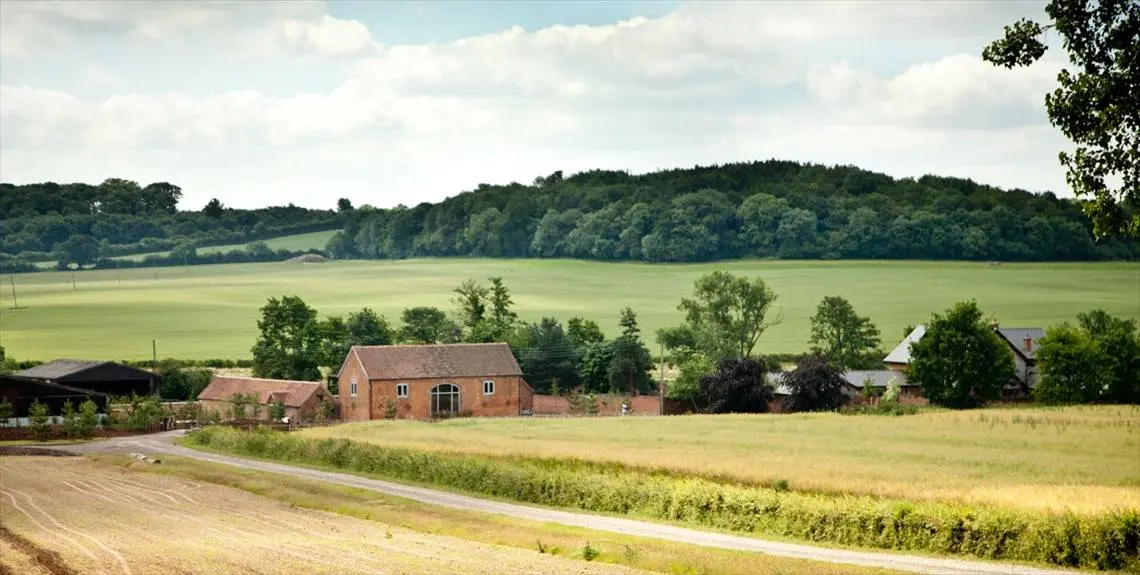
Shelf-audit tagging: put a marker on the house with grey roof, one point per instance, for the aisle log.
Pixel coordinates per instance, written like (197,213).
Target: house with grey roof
(1023,341)
(899,357)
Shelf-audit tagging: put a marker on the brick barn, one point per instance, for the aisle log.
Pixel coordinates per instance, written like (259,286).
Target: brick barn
(429,381)
(301,398)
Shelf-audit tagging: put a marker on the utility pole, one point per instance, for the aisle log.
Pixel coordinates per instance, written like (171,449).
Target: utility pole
(661,385)
(15,302)
(119,272)
(73,280)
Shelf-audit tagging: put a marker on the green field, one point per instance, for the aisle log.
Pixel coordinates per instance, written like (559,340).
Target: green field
(313,240)
(1081,458)
(211,311)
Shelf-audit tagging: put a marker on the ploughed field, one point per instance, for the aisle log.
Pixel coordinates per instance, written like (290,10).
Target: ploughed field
(1082,459)
(69,515)
(204,312)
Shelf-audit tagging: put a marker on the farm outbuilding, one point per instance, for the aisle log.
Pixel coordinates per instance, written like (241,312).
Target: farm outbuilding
(21,392)
(106,377)
(302,399)
(431,381)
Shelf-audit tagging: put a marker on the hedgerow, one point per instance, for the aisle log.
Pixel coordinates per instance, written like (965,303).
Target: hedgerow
(1106,541)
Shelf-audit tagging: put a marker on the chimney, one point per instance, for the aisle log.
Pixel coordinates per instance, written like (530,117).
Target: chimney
(1027,344)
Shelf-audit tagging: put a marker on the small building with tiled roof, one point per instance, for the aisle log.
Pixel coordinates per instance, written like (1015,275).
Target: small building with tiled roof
(431,381)
(1023,341)
(302,399)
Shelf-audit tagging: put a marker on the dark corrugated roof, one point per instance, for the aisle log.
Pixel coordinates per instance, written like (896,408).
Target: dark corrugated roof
(59,368)
(437,361)
(1016,338)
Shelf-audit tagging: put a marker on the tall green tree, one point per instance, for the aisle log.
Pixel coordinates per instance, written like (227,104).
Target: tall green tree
(424,325)
(81,250)
(502,318)
(471,300)
(366,327)
(549,357)
(289,342)
(842,336)
(961,361)
(1074,367)
(583,332)
(629,368)
(727,315)
(1120,341)
(1095,104)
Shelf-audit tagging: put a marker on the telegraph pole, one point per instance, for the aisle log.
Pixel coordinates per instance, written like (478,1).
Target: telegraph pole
(15,302)
(661,385)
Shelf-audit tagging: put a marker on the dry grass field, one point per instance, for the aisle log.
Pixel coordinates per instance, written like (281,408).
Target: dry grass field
(1080,458)
(70,515)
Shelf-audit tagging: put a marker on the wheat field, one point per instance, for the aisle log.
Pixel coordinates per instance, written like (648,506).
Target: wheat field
(1083,459)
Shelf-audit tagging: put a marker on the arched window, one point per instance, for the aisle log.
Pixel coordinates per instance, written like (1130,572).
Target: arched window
(444,398)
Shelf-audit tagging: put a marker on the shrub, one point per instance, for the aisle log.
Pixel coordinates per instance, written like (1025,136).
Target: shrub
(1101,542)
(38,418)
(390,409)
(6,411)
(70,420)
(88,419)
(590,553)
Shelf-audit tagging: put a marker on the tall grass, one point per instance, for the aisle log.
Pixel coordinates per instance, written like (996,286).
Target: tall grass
(1107,541)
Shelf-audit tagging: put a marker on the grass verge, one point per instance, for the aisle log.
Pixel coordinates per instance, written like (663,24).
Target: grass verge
(1106,541)
(640,553)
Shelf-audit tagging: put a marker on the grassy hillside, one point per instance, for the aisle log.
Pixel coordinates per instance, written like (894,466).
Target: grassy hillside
(1080,458)
(313,240)
(211,311)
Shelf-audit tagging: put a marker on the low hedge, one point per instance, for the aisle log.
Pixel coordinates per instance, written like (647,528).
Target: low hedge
(1107,541)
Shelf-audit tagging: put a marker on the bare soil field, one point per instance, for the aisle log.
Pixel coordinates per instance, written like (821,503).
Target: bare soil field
(69,515)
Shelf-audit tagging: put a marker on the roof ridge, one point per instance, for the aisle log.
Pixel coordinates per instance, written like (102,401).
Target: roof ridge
(421,345)
(266,379)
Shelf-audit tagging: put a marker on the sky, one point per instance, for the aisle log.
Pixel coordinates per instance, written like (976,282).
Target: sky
(402,102)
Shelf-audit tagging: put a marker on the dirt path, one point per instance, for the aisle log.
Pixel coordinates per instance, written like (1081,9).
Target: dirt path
(162,443)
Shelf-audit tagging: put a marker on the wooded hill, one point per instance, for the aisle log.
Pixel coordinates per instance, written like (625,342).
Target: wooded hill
(122,217)
(761,209)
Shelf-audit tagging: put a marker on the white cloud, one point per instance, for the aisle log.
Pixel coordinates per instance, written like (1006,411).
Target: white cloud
(708,83)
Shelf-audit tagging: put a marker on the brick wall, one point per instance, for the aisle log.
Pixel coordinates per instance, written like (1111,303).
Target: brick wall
(353,408)
(509,392)
(607,405)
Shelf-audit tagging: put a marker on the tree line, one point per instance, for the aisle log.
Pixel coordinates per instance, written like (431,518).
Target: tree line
(44,221)
(761,209)
(296,343)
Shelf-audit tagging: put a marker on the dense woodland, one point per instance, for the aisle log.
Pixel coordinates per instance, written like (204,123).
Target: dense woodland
(120,217)
(762,209)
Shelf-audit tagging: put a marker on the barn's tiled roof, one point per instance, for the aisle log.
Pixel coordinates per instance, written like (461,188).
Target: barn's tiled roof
(436,361)
(59,368)
(294,393)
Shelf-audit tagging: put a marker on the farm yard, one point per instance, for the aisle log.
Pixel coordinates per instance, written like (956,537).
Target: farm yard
(211,311)
(1081,459)
(87,518)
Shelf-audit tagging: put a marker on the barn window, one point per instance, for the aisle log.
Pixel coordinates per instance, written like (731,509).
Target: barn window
(488,387)
(444,399)
(401,390)
(352,388)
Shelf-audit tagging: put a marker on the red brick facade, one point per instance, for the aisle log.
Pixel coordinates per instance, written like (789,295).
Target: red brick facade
(379,371)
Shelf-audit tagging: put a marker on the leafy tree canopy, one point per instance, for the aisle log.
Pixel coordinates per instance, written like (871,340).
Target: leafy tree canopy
(726,315)
(961,361)
(289,342)
(1074,367)
(845,338)
(1097,101)
(738,386)
(815,384)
